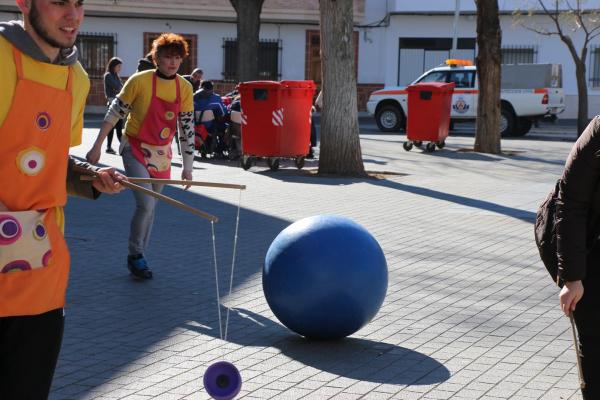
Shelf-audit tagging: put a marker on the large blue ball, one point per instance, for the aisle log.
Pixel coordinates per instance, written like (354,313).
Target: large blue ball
(325,277)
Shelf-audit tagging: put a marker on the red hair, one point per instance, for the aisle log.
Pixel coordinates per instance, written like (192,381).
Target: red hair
(169,43)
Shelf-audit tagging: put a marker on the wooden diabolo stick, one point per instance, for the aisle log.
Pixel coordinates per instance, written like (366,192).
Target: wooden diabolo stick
(92,175)
(573,330)
(170,201)
(178,182)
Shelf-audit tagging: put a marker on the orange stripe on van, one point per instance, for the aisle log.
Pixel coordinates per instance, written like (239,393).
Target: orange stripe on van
(459,91)
(540,91)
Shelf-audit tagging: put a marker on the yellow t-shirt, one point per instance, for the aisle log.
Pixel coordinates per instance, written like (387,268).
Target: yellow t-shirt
(137,93)
(48,74)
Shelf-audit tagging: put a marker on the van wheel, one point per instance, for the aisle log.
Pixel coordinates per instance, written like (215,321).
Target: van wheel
(389,119)
(524,126)
(507,121)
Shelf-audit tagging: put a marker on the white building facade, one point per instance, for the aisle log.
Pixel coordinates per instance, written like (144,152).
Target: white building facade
(415,36)
(396,40)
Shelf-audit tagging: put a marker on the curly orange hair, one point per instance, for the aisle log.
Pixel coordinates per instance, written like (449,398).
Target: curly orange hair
(169,43)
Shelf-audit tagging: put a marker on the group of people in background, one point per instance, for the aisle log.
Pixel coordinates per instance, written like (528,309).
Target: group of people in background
(157,103)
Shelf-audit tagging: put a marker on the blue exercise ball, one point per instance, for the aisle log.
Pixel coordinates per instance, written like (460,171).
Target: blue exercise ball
(325,277)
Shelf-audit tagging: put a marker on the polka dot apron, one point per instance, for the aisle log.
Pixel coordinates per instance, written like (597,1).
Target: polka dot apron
(152,145)
(35,137)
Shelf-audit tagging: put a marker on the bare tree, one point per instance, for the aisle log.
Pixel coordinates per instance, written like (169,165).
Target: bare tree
(489,37)
(340,143)
(572,18)
(248,29)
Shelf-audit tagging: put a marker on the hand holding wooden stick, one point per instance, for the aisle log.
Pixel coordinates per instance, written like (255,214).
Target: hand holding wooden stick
(91,175)
(179,182)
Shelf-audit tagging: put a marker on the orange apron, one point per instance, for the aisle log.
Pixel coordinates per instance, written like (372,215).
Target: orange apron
(152,145)
(34,150)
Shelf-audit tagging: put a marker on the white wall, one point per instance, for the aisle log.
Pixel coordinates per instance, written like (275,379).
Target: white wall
(293,42)
(372,44)
(130,37)
(378,58)
(436,6)
(130,34)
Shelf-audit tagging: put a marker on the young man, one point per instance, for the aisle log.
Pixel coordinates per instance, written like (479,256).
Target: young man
(154,102)
(42,97)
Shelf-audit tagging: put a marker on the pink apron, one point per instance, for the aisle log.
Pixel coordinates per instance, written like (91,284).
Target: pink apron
(152,145)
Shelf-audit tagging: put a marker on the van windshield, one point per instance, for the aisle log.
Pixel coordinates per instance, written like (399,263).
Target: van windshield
(435,76)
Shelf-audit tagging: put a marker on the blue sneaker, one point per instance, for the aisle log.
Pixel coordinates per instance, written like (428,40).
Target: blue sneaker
(138,266)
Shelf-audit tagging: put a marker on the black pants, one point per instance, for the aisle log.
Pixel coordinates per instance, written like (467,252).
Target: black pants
(587,319)
(313,135)
(29,348)
(117,128)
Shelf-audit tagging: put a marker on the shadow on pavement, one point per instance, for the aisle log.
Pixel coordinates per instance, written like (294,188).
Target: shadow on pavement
(304,176)
(359,359)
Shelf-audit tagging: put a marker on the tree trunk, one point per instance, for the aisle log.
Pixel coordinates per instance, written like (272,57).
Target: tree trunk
(489,36)
(248,29)
(340,143)
(582,94)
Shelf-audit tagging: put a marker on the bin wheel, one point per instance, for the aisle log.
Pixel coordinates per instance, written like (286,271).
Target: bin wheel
(299,162)
(430,147)
(246,162)
(441,144)
(273,163)
(418,143)
(407,146)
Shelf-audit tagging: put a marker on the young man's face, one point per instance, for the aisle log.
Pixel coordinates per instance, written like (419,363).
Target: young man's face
(54,22)
(168,63)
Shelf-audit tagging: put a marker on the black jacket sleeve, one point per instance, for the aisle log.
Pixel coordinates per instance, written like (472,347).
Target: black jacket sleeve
(575,203)
(77,187)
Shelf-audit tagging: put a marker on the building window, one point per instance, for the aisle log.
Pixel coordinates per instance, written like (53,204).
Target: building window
(269,65)
(417,55)
(95,50)
(595,69)
(519,55)
(189,63)
(312,66)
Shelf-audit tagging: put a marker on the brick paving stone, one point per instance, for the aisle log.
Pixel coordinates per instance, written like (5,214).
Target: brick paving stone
(469,312)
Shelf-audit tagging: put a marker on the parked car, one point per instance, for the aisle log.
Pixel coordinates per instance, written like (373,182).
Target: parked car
(528,92)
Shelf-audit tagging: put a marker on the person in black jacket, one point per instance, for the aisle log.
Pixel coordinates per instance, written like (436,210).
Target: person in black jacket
(577,229)
(112,87)
(195,78)
(145,63)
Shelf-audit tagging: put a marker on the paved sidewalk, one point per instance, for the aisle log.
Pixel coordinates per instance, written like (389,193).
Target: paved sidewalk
(470,312)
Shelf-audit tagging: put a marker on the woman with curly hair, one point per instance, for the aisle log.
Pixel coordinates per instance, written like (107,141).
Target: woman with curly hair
(153,101)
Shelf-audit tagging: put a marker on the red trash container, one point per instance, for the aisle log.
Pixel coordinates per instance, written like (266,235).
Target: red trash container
(428,114)
(276,120)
